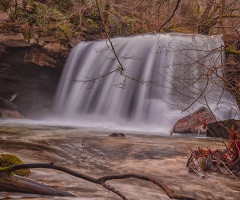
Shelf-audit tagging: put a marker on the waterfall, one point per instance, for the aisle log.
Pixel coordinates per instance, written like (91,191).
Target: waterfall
(163,75)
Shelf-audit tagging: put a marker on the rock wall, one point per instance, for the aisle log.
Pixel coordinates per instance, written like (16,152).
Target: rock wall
(30,70)
(33,50)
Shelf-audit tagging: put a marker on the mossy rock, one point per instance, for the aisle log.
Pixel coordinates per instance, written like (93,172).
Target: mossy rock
(7,160)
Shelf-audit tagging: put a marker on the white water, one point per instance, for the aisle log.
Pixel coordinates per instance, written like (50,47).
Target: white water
(176,65)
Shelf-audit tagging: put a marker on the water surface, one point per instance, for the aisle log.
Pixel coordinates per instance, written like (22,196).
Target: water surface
(94,153)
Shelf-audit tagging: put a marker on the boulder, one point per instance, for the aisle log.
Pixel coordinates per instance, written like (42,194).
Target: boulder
(121,135)
(4,103)
(7,160)
(5,114)
(8,110)
(223,128)
(192,122)
(13,40)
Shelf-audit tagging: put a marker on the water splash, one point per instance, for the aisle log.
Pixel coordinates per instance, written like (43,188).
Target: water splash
(174,70)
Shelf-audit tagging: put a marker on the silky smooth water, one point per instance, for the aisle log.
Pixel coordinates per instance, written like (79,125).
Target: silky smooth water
(163,75)
(95,154)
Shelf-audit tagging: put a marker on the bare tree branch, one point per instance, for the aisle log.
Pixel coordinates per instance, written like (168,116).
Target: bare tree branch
(101,181)
(169,19)
(108,37)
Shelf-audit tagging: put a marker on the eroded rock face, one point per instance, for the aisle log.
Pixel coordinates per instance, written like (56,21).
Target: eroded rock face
(30,69)
(191,123)
(6,114)
(31,62)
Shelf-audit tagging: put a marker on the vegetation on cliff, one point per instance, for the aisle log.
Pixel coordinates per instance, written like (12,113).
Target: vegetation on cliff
(80,19)
(47,28)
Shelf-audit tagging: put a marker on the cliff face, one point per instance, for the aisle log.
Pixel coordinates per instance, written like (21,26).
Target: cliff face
(30,70)
(34,44)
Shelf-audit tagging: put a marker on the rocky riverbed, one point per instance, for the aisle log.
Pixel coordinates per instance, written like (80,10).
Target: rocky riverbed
(94,153)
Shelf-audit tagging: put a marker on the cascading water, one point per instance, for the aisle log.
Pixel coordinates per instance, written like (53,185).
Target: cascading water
(163,75)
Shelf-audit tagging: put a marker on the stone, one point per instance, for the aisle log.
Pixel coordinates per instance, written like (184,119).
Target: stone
(13,40)
(122,135)
(8,110)
(192,122)
(6,114)
(53,47)
(39,58)
(7,160)
(223,128)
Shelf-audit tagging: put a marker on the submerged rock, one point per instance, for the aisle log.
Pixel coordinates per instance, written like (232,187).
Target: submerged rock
(117,135)
(5,114)
(192,122)
(9,110)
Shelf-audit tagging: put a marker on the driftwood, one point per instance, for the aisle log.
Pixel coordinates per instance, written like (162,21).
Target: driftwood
(19,184)
(4,175)
(218,160)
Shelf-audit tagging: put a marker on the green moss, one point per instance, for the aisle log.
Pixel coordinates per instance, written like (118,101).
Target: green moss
(7,160)
(3,168)
(232,51)
(26,35)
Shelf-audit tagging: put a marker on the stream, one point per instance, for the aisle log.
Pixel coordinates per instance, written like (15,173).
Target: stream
(94,153)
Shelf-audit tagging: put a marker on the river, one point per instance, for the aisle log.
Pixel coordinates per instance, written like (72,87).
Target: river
(94,153)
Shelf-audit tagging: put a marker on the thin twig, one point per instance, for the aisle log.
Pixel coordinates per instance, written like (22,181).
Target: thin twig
(108,37)
(169,19)
(228,169)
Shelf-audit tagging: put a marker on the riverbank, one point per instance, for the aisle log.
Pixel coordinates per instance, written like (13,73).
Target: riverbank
(95,153)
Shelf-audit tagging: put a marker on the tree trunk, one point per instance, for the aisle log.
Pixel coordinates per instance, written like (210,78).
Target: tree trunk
(19,184)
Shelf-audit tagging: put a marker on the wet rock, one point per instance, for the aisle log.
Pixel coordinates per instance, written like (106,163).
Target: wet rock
(192,122)
(35,56)
(5,114)
(13,40)
(8,110)
(32,72)
(4,103)
(223,128)
(122,135)
(7,160)
(53,47)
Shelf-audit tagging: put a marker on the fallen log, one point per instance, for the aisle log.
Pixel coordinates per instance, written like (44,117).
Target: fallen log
(6,171)
(15,183)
